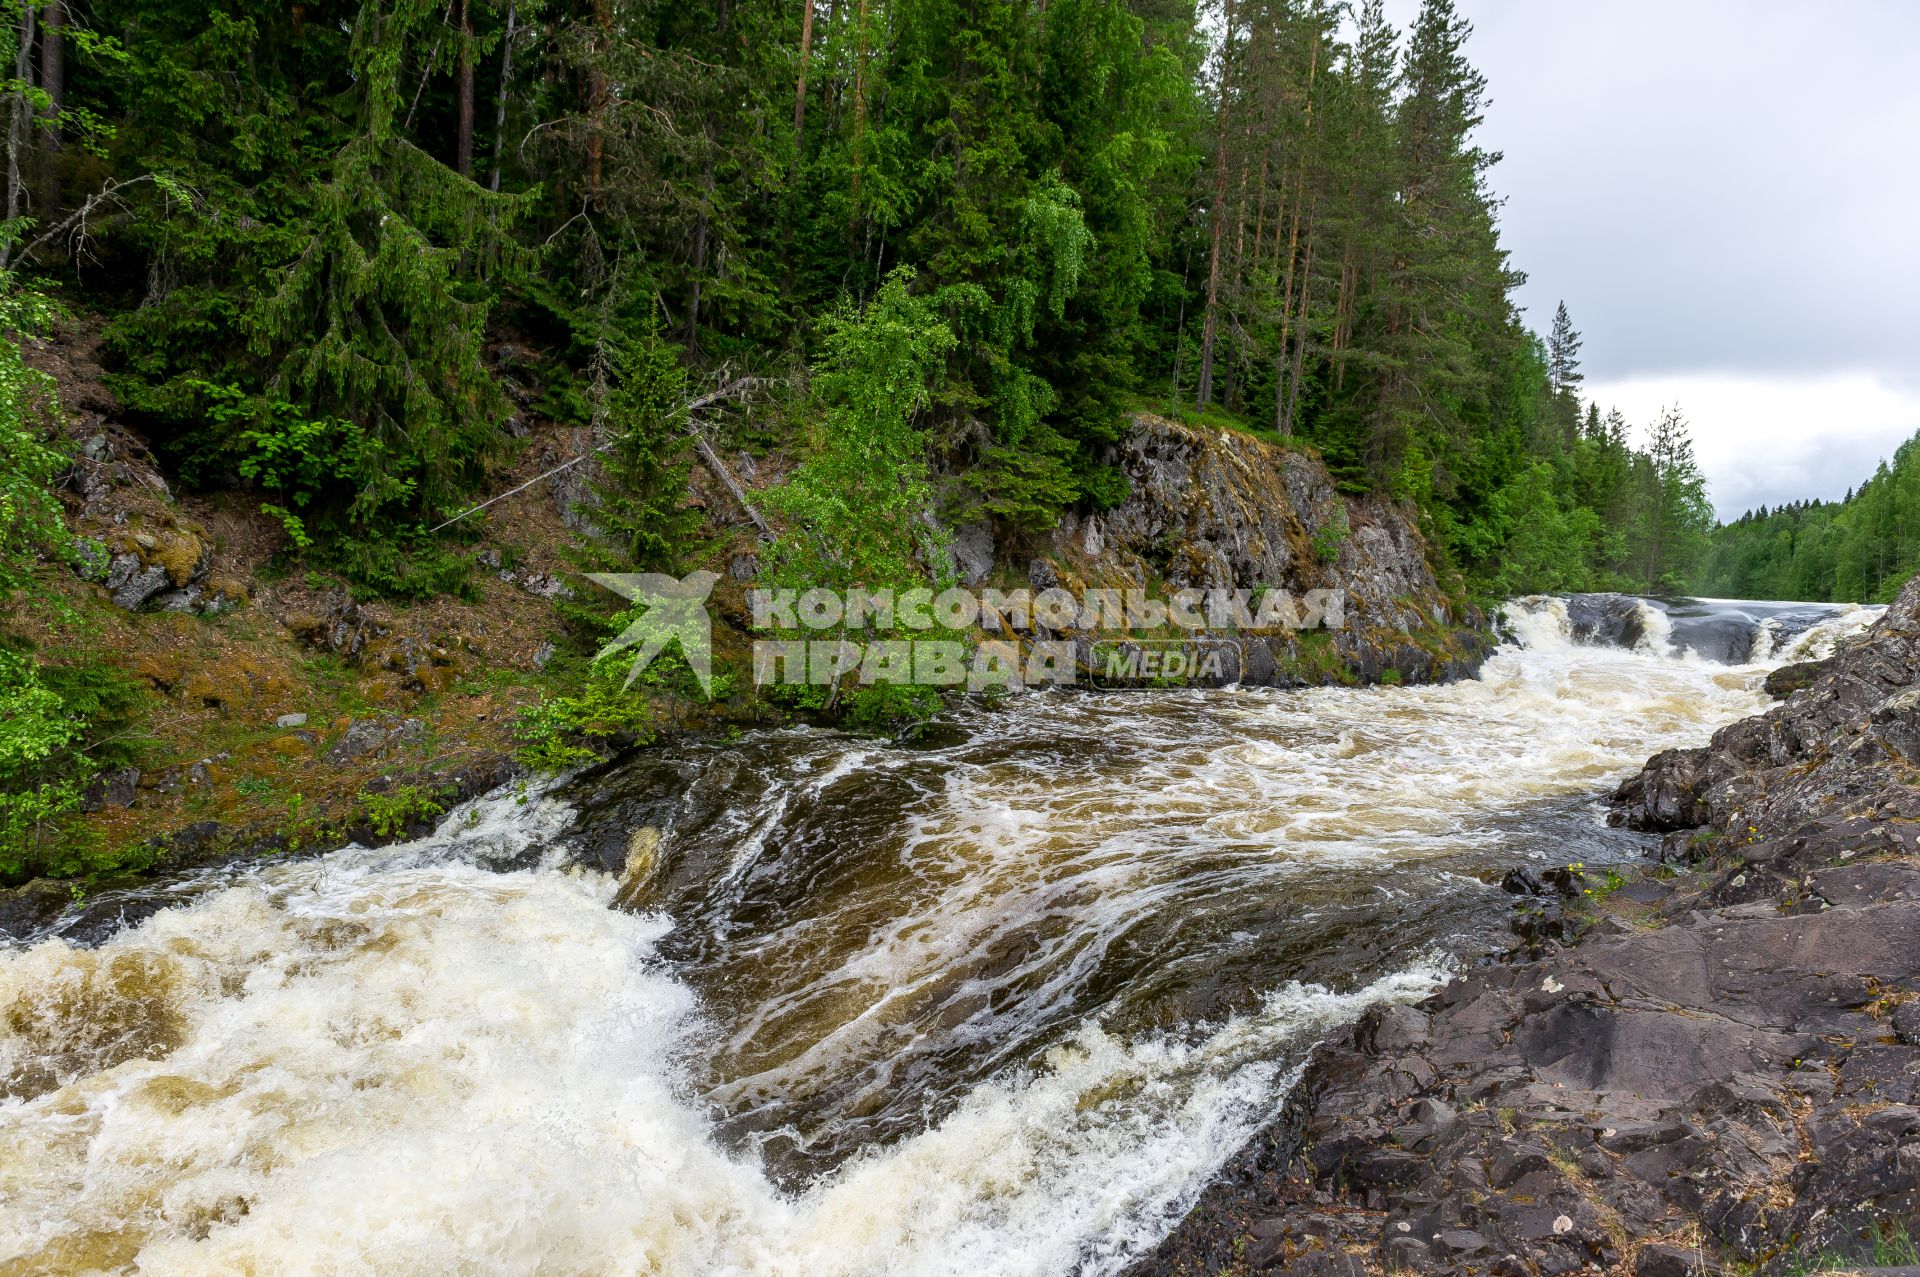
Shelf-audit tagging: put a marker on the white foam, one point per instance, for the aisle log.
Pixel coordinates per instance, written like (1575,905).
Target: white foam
(435,1069)
(395,1061)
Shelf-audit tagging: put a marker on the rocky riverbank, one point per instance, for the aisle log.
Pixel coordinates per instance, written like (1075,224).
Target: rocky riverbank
(1712,1065)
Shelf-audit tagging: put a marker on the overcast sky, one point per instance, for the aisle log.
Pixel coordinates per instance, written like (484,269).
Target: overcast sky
(1727,196)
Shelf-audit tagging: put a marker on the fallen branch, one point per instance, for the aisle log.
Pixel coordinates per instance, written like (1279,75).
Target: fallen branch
(76,221)
(707,456)
(718,470)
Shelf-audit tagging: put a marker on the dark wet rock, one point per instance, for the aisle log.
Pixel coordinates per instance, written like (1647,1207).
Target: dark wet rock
(1788,679)
(1540,924)
(27,909)
(1661,1260)
(1741,1065)
(1724,637)
(1606,620)
(1845,745)
(117,788)
(1521,881)
(1566,881)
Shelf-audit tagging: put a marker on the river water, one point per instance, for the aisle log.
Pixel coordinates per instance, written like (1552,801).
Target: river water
(998,1001)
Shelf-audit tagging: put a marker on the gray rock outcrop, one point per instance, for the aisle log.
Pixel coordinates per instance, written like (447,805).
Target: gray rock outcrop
(1705,1071)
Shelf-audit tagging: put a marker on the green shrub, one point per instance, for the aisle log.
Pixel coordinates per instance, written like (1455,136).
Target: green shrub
(30,522)
(394,812)
(562,732)
(59,726)
(1330,536)
(349,502)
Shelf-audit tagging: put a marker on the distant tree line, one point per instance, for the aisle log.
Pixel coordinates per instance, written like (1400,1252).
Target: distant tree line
(1861,549)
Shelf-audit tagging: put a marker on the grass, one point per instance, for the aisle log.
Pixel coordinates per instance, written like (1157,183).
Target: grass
(1887,1247)
(1213,417)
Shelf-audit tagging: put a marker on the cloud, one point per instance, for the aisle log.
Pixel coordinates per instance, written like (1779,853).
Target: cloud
(1727,212)
(1766,439)
(1671,174)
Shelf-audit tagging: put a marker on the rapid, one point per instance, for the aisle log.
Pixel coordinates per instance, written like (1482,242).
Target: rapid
(997,1001)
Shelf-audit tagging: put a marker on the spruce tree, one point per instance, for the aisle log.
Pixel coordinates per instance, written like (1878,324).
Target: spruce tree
(1563,354)
(381,315)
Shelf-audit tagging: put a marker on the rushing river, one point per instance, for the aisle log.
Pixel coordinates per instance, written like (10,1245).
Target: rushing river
(996,1002)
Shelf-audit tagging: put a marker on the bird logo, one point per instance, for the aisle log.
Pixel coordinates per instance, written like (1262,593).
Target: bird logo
(673,611)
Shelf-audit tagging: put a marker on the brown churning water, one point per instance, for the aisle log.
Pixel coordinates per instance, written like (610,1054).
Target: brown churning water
(997,1002)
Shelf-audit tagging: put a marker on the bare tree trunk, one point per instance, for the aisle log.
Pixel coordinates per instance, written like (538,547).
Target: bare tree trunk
(17,126)
(859,109)
(1260,218)
(597,95)
(426,69)
(1299,335)
(1343,313)
(1283,407)
(1204,396)
(464,151)
(500,104)
(53,79)
(701,231)
(800,86)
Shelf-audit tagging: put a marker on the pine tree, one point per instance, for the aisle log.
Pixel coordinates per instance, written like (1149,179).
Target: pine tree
(1679,517)
(1563,354)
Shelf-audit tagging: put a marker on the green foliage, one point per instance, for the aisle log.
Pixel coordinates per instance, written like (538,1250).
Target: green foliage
(891,707)
(1090,198)
(343,497)
(1858,550)
(30,521)
(642,506)
(59,726)
(858,502)
(563,732)
(328,282)
(1331,535)
(393,813)
(381,315)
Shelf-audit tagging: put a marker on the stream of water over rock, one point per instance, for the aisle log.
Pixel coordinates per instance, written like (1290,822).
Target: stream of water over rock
(996,1001)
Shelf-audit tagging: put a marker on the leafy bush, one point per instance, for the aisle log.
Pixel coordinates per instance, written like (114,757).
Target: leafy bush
(30,522)
(562,732)
(393,813)
(59,726)
(1330,536)
(348,502)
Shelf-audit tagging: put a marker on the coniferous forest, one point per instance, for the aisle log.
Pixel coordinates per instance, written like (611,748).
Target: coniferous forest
(302,225)
(1859,549)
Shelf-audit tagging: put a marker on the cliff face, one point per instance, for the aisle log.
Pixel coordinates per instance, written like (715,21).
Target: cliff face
(1221,509)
